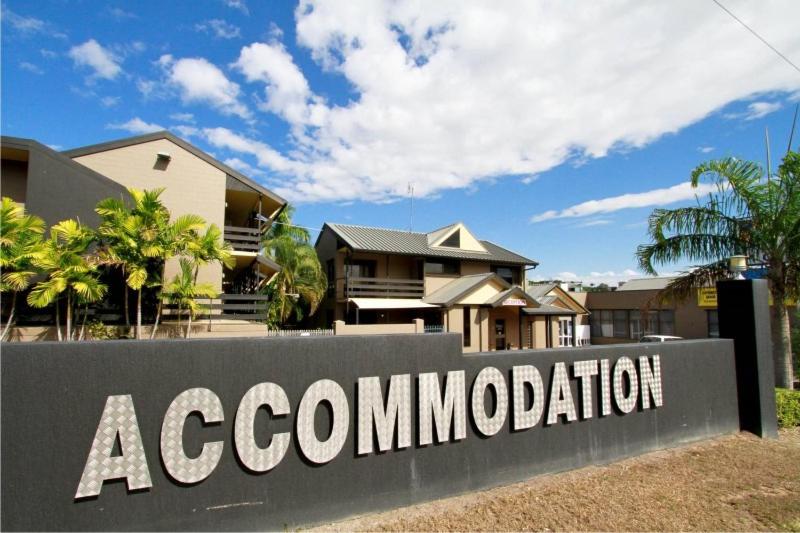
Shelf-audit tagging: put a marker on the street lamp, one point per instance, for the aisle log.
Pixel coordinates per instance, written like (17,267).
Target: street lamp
(737,264)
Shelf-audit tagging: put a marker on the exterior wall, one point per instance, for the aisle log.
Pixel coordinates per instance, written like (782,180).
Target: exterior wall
(481,295)
(340,328)
(192,185)
(435,282)
(511,316)
(474,267)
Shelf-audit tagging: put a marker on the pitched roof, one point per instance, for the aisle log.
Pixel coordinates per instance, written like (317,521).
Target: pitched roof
(458,288)
(391,241)
(148,137)
(540,290)
(516,290)
(547,309)
(646,284)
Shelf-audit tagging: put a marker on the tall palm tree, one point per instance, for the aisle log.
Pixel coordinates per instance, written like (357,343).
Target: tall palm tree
(750,213)
(184,291)
(70,271)
(301,279)
(20,243)
(209,247)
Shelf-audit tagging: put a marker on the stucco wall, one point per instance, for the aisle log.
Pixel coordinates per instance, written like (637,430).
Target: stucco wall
(192,185)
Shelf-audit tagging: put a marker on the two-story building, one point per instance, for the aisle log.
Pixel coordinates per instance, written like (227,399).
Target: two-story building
(196,183)
(447,277)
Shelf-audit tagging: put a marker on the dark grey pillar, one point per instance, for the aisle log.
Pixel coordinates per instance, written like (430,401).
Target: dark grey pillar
(743,307)
(574,330)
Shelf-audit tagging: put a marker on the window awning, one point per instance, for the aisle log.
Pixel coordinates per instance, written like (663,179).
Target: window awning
(390,303)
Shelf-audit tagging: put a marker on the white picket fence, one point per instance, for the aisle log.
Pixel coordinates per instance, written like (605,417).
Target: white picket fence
(299,332)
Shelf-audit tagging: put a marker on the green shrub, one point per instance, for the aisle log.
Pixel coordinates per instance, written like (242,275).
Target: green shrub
(787,403)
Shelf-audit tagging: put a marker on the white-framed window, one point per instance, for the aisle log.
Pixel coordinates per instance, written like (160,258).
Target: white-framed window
(565,332)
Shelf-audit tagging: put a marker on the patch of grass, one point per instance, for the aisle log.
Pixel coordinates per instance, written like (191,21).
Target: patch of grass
(787,403)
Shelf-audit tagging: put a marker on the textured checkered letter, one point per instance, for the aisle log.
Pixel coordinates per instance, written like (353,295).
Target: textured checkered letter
(584,370)
(651,381)
(561,402)
(397,412)
(118,420)
(315,450)
(489,425)
(524,419)
(624,366)
(451,411)
(177,464)
(252,456)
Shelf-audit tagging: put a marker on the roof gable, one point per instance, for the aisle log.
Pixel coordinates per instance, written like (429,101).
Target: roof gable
(446,238)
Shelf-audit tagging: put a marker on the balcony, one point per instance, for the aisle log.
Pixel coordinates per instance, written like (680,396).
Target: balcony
(383,288)
(243,239)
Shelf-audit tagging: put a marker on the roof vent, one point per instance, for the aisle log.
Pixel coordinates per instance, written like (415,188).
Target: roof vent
(164,156)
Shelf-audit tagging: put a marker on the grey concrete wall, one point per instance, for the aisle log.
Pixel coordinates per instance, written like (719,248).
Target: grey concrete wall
(53,396)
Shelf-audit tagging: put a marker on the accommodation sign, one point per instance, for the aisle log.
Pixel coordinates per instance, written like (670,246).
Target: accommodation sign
(383,415)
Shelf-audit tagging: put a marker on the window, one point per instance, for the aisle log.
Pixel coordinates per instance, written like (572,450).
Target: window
(331,277)
(713,323)
(620,324)
(602,325)
(360,268)
(453,241)
(509,274)
(650,326)
(635,324)
(666,322)
(565,332)
(467,328)
(442,267)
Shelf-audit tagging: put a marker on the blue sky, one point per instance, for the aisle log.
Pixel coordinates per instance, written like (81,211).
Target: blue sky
(550,128)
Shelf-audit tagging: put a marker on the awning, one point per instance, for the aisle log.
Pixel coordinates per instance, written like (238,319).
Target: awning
(548,310)
(390,303)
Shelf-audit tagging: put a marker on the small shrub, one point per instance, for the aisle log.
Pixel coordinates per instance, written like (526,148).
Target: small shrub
(787,403)
(99,331)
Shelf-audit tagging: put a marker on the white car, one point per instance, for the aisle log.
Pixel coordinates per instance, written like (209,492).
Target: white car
(660,338)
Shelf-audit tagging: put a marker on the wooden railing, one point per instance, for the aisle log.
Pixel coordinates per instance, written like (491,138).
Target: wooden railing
(226,307)
(243,239)
(384,288)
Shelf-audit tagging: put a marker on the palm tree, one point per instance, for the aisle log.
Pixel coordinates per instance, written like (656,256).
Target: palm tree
(301,279)
(209,247)
(20,243)
(749,213)
(183,291)
(70,271)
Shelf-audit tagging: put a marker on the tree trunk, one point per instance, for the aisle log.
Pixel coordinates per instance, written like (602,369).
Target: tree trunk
(69,316)
(160,301)
(127,308)
(189,326)
(139,315)
(83,323)
(58,319)
(10,316)
(784,371)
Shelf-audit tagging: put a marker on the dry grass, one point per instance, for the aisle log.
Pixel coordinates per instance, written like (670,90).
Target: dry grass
(735,483)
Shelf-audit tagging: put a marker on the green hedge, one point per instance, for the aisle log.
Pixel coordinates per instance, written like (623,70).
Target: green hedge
(788,406)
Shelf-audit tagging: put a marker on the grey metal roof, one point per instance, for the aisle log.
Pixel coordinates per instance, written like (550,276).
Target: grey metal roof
(458,288)
(539,290)
(139,139)
(547,309)
(391,241)
(646,284)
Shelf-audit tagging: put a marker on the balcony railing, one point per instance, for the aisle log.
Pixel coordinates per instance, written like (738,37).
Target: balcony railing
(226,307)
(384,288)
(243,239)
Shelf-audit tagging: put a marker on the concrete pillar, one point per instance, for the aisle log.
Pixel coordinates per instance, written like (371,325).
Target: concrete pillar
(419,325)
(743,307)
(338,327)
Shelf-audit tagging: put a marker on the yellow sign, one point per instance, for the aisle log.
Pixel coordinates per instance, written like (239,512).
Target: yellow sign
(707,297)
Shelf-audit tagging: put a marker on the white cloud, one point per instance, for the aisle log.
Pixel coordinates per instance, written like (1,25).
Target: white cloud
(182,117)
(590,223)
(243,167)
(120,14)
(197,80)
(610,277)
(287,91)
(136,125)
(241,5)
(49,54)
(460,92)
(219,29)
(527,180)
(186,131)
(669,195)
(99,59)
(30,67)
(109,101)
(756,110)
(705,149)
(23,24)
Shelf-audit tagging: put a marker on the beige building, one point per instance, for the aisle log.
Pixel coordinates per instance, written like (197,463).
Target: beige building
(631,311)
(447,277)
(196,183)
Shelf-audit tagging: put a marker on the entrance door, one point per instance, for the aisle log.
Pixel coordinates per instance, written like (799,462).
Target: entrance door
(500,334)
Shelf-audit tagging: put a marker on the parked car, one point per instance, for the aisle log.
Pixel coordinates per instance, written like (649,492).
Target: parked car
(660,338)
